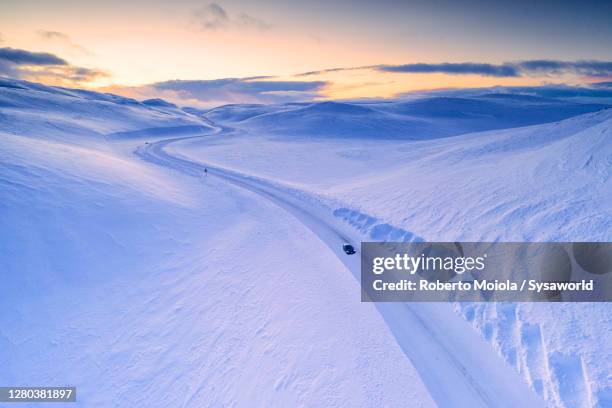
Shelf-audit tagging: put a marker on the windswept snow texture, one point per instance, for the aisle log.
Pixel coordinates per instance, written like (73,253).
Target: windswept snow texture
(546,182)
(142,285)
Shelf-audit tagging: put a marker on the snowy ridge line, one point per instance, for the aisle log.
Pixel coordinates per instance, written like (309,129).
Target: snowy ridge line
(458,367)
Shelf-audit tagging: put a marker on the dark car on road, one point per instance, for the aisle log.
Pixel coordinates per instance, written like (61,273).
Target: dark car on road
(348,249)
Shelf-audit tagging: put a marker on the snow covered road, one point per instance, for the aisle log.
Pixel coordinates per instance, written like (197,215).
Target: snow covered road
(458,367)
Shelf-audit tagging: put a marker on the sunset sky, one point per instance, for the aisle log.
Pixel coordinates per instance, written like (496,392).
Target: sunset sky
(207,53)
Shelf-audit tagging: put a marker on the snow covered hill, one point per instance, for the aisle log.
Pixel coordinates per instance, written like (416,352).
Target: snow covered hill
(548,182)
(145,286)
(80,116)
(424,118)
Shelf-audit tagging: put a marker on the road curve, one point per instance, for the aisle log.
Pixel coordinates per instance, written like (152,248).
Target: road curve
(458,367)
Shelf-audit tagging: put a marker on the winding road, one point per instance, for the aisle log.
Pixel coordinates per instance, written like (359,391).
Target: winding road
(458,367)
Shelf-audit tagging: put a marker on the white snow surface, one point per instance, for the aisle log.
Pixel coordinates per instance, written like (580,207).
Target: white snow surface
(547,182)
(143,285)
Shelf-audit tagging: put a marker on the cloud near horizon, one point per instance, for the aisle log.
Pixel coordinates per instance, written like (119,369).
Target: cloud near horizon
(44,67)
(236,90)
(505,70)
(23,57)
(552,67)
(51,69)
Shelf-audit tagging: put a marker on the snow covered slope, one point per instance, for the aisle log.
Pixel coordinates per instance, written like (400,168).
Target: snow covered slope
(80,116)
(424,118)
(144,287)
(548,182)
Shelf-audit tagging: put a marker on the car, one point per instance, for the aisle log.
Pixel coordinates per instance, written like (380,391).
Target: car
(348,249)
